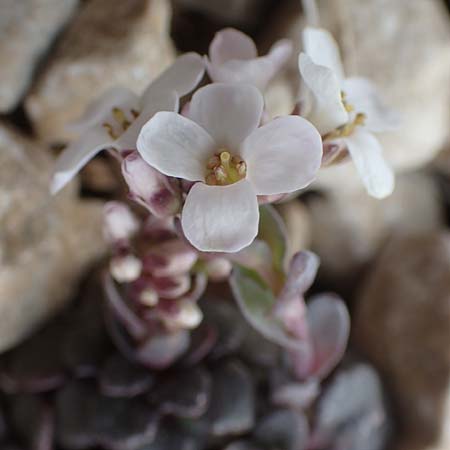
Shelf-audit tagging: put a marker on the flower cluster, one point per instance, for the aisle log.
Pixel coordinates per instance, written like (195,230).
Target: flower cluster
(202,157)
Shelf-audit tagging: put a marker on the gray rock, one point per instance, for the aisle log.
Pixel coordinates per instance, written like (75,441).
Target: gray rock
(27,29)
(45,242)
(125,43)
(349,227)
(403,324)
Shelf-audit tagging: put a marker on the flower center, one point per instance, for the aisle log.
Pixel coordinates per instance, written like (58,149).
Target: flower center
(224,168)
(347,129)
(120,122)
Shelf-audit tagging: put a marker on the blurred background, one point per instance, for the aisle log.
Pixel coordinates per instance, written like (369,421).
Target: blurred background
(389,259)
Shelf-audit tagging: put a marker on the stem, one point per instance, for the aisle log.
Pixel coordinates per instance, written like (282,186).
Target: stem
(311,12)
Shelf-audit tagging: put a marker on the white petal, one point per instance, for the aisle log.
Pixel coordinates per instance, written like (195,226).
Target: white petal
(367,155)
(231,44)
(182,77)
(362,94)
(282,156)
(221,218)
(321,47)
(100,109)
(228,112)
(324,107)
(77,155)
(176,146)
(161,102)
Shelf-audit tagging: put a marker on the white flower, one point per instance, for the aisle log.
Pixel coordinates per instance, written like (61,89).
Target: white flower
(232,160)
(233,58)
(115,119)
(345,109)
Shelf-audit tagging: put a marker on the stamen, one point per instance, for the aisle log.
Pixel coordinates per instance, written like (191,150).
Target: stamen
(110,130)
(120,117)
(224,168)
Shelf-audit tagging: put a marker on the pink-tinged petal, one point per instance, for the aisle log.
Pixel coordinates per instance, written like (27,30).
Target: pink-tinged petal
(321,96)
(77,155)
(99,110)
(119,223)
(329,326)
(362,94)
(182,77)
(282,156)
(149,187)
(171,287)
(231,44)
(321,47)
(229,113)
(367,155)
(221,218)
(176,146)
(167,101)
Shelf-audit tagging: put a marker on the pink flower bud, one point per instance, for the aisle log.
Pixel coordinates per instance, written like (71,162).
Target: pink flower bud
(149,187)
(171,258)
(119,223)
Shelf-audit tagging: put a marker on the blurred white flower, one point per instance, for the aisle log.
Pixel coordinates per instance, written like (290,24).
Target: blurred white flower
(116,117)
(233,58)
(347,110)
(221,148)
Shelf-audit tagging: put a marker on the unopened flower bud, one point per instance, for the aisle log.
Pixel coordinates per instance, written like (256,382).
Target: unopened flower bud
(125,269)
(218,269)
(189,315)
(173,257)
(119,223)
(149,187)
(149,297)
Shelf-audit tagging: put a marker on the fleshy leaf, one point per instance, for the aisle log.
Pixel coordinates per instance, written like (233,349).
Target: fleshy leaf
(284,430)
(256,302)
(232,409)
(272,231)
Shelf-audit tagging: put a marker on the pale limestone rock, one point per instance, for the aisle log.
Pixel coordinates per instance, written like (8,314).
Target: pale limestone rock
(297,220)
(108,43)
(349,228)
(27,30)
(45,242)
(403,324)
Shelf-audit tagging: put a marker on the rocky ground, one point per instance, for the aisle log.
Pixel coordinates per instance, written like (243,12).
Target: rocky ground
(390,259)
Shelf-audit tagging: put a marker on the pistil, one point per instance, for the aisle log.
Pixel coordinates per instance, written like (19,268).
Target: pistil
(224,168)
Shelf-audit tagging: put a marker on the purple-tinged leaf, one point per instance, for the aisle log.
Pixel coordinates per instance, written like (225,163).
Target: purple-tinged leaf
(161,351)
(187,397)
(232,407)
(122,378)
(329,328)
(284,430)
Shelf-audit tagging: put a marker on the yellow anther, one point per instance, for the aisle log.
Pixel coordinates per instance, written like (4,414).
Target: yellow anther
(241,168)
(120,117)
(110,130)
(360,119)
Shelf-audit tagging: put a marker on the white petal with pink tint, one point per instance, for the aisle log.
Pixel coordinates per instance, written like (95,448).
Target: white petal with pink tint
(367,155)
(176,146)
(182,77)
(322,101)
(231,44)
(221,218)
(282,156)
(77,155)
(229,113)
(321,47)
(363,95)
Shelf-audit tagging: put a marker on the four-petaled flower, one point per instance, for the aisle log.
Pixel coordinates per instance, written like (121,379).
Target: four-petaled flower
(345,110)
(231,159)
(233,58)
(115,119)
